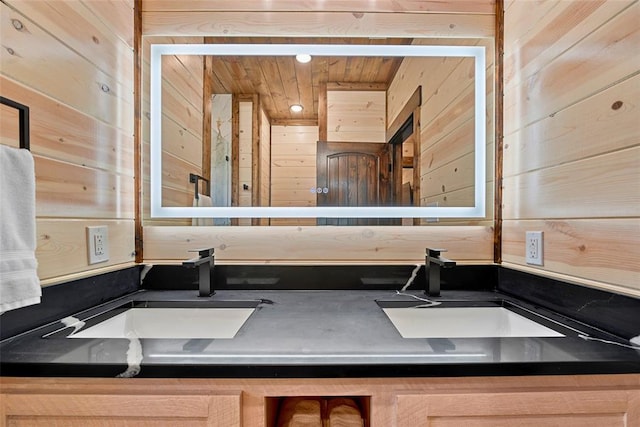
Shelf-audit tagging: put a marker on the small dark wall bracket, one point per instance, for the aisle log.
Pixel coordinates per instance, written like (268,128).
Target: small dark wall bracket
(23,117)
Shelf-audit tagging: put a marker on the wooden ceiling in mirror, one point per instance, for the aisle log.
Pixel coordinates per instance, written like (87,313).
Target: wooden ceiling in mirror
(282,81)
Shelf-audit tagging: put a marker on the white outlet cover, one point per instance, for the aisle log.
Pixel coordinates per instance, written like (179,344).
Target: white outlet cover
(534,248)
(96,233)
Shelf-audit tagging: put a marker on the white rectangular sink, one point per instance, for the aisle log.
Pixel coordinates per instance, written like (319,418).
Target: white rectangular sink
(170,323)
(464,322)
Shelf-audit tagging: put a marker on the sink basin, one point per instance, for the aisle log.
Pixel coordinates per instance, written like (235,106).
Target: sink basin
(464,322)
(167,320)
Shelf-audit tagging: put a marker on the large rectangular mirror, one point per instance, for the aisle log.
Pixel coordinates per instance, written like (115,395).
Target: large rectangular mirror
(367,162)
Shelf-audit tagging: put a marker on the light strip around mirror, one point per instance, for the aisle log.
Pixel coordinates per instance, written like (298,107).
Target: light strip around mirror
(159,211)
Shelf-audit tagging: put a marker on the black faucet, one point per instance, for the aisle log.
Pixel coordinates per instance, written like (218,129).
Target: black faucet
(433,263)
(205,264)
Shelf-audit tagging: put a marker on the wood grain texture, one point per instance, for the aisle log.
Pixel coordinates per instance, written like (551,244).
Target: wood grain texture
(64,133)
(83,192)
(394,402)
(72,63)
(346,244)
(540,33)
(428,6)
(607,121)
(91,35)
(356,116)
(95,410)
(293,167)
(604,186)
(62,245)
(571,154)
(564,81)
(36,63)
(316,24)
(576,408)
(585,248)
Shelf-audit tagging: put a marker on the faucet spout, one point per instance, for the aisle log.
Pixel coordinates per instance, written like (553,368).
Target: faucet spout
(433,263)
(205,264)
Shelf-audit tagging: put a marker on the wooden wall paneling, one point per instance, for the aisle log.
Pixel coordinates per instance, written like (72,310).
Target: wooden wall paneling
(9,126)
(400,6)
(84,192)
(458,142)
(601,249)
(175,172)
(62,245)
(119,16)
(317,24)
(561,83)
(63,133)
(183,110)
(94,91)
(550,29)
(291,176)
(524,20)
(90,35)
(81,132)
(235,153)
(413,73)
(450,177)
(356,116)
(607,121)
(356,244)
(602,186)
(571,156)
(180,73)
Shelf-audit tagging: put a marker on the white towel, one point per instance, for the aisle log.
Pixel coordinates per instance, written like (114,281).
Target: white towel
(202,201)
(19,283)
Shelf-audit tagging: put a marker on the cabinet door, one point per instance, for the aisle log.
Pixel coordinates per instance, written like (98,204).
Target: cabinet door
(87,410)
(525,409)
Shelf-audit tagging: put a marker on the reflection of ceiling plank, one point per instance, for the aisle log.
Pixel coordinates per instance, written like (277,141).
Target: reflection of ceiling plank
(281,81)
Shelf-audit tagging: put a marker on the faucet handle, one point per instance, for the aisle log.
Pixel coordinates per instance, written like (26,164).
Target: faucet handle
(434,252)
(204,252)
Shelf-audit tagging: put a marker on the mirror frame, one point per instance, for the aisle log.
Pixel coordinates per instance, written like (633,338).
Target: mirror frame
(159,211)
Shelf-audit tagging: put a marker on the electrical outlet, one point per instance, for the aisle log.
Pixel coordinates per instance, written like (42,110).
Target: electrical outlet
(534,247)
(98,244)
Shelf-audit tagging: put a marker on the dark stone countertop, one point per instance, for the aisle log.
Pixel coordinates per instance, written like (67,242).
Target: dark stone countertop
(318,333)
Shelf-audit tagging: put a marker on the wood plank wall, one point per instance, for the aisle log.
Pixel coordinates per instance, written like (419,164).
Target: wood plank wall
(182,83)
(301,244)
(447,125)
(293,169)
(356,116)
(71,63)
(572,138)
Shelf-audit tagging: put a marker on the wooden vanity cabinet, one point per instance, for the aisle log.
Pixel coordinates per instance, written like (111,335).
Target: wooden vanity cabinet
(581,401)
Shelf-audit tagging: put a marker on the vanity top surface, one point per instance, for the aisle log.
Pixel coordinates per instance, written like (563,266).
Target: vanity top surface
(315,333)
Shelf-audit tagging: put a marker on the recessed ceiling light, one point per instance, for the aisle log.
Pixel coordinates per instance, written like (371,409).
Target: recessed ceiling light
(296,108)
(303,58)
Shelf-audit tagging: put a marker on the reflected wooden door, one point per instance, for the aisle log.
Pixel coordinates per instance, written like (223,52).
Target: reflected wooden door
(353,174)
